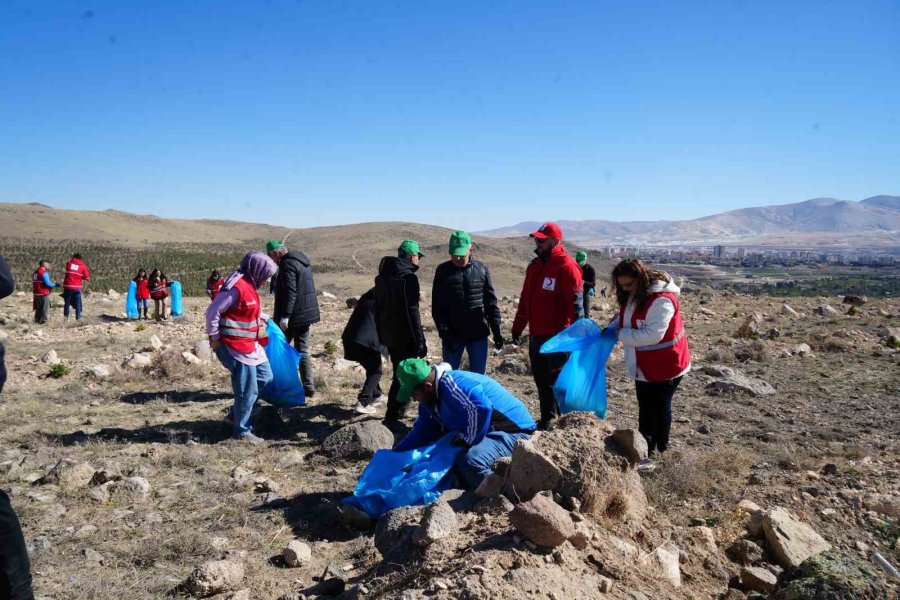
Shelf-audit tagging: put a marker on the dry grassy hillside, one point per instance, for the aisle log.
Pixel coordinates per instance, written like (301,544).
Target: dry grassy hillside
(346,257)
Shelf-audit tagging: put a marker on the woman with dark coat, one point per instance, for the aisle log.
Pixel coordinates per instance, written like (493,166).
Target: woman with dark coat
(361,344)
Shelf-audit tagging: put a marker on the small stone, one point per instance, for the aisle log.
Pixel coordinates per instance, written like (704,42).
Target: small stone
(215,577)
(606,584)
(790,540)
(632,443)
(50,358)
(758,580)
(134,485)
(829,469)
(92,556)
(156,343)
(744,552)
(703,428)
(296,553)
(543,521)
(190,358)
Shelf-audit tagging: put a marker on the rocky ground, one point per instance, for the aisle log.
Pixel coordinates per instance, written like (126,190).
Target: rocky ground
(785,445)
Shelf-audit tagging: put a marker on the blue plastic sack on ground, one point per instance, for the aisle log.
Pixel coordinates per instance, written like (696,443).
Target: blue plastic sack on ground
(177,308)
(394,479)
(581,384)
(131,307)
(285,388)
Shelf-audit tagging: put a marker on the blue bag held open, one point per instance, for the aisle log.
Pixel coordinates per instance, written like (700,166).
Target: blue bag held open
(285,388)
(177,309)
(131,306)
(394,479)
(581,385)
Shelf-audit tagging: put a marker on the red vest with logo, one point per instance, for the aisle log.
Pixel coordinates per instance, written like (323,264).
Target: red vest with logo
(37,283)
(213,287)
(76,274)
(668,358)
(143,290)
(239,325)
(159,291)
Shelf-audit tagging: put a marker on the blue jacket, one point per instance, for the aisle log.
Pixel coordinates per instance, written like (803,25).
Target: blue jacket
(469,404)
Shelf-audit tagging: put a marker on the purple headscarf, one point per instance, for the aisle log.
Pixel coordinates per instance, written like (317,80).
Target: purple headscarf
(256,267)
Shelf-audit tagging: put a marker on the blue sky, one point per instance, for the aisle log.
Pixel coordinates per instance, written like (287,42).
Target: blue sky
(463,114)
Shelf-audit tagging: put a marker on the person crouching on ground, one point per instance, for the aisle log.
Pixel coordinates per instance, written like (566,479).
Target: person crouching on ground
(159,291)
(651,329)
(361,344)
(234,330)
(487,419)
(142,293)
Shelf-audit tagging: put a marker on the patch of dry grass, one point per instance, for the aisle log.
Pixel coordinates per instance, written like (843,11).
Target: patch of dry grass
(689,474)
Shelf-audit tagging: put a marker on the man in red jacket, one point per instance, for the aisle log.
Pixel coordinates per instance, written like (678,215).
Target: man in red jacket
(76,274)
(551,300)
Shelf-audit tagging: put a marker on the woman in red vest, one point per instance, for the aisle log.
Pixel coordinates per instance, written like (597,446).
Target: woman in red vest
(651,329)
(237,337)
(158,292)
(143,292)
(214,284)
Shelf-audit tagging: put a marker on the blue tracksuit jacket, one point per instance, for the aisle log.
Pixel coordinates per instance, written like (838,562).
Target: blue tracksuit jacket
(469,404)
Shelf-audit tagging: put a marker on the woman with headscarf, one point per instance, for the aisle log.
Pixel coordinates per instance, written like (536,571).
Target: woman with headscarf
(235,325)
(651,329)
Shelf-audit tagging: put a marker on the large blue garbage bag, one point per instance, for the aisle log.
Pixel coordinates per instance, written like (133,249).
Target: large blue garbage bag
(131,307)
(581,384)
(177,308)
(394,479)
(285,388)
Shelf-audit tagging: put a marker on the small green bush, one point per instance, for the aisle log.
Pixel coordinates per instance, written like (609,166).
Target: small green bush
(59,370)
(330,347)
(893,342)
(140,327)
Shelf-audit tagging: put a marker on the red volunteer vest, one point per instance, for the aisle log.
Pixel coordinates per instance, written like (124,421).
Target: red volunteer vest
(158,291)
(76,273)
(214,286)
(239,325)
(143,290)
(671,356)
(37,283)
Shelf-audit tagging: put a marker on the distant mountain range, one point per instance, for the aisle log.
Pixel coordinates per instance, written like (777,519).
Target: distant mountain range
(818,223)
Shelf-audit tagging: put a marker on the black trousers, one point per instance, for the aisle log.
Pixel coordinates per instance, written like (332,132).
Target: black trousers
(299,336)
(15,570)
(545,369)
(586,300)
(371,389)
(655,411)
(395,409)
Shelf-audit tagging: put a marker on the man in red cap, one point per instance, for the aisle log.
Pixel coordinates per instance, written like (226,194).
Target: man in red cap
(551,300)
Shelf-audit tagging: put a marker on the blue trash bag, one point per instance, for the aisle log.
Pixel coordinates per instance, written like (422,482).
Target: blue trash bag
(394,479)
(131,306)
(581,384)
(285,388)
(177,308)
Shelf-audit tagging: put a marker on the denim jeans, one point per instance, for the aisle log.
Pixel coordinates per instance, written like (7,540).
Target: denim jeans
(246,381)
(478,462)
(72,298)
(655,411)
(477,350)
(300,338)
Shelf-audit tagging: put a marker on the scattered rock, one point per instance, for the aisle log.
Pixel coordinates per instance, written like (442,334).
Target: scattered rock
(744,552)
(889,506)
(156,343)
(394,533)
(99,371)
(787,311)
(190,358)
(133,485)
(113,294)
(215,577)
(531,471)
(741,384)
(513,365)
(139,360)
(92,556)
(801,350)
(296,553)
(342,364)
(50,358)
(826,310)
(632,443)
(831,575)
(358,440)
(438,522)
(664,562)
(542,520)
(202,350)
(790,540)
(69,475)
(758,580)
(855,300)
(328,295)
(352,302)
(751,327)
(239,595)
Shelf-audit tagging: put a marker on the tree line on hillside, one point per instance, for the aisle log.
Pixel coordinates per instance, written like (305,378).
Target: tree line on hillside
(113,267)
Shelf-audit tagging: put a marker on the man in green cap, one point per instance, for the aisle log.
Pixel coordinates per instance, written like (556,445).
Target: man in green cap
(588,276)
(296,304)
(464,306)
(397,317)
(486,418)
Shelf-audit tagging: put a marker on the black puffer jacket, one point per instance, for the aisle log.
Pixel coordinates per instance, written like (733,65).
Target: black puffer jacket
(397,306)
(295,292)
(360,335)
(464,306)
(7,285)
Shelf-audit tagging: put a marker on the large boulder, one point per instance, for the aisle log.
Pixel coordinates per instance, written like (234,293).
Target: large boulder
(791,541)
(215,577)
(758,579)
(543,521)
(358,440)
(68,474)
(831,575)
(740,384)
(632,443)
(394,534)
(531,471)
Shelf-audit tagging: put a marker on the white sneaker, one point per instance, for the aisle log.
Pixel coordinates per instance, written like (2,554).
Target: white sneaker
(646,466)
(362,409)
(379,401)
(249,438)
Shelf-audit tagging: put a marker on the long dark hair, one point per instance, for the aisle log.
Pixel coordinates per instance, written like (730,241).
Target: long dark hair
(141,274)
(156,275)
(643,276)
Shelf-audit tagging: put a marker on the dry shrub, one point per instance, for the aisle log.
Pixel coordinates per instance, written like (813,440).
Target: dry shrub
(720,355)
(175,368)
(757,351)
(684,474)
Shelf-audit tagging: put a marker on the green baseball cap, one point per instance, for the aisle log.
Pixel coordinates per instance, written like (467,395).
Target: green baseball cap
(581,257)
(410,247)
(460,242)
(273,245)
(410,372)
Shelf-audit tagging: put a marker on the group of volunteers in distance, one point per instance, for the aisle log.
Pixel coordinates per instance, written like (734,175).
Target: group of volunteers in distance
(486,419)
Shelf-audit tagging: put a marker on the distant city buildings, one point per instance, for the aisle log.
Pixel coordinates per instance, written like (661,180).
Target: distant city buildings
(747,257)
